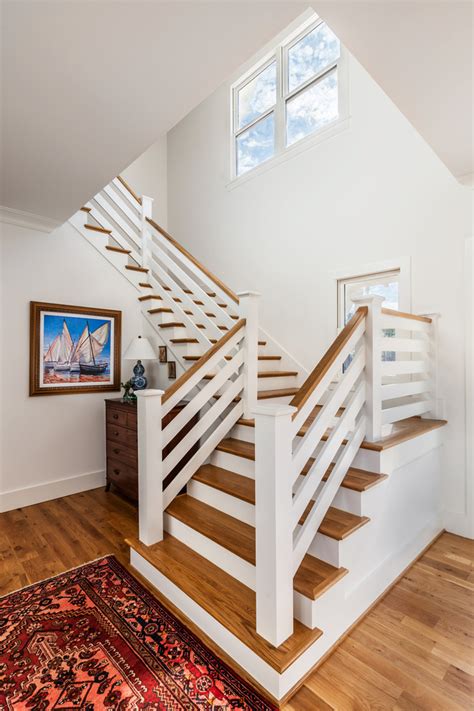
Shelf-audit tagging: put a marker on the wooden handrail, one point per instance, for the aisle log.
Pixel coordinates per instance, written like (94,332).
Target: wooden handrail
(402,314)
(198,264)
(202,360)
(315,377)
(130,190)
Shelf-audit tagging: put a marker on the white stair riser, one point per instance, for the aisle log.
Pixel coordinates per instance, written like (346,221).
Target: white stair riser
(224,559)
(284,381)
(137,277)
(266,365)
(243,432)
(188,348)
(306,611)
(239,465)
(99,241)
(222,501)
(117,259)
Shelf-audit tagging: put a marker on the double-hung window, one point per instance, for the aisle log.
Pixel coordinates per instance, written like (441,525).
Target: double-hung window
(293,94)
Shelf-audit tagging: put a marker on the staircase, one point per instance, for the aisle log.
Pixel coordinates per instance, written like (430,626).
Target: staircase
(309,492)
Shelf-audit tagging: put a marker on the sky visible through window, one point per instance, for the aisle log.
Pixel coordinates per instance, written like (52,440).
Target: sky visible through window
(307,111)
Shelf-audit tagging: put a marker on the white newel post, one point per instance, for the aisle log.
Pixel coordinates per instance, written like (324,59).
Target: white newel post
(150,467)
(147,211)
(273,509)
(373,364)
(248,309)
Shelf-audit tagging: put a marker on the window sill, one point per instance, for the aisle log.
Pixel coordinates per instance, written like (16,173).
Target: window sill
(339,126)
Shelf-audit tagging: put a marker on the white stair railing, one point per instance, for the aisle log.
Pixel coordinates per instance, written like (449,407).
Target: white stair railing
(219,403)
(401,366)
(283,494)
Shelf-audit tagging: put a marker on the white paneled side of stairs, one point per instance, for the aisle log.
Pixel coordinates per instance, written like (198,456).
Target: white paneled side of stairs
(307,494)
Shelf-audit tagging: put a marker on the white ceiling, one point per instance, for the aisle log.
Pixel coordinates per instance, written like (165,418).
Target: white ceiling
(421,53)
(88,86)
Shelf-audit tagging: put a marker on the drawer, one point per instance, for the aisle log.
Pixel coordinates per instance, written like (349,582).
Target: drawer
(123,476)
(123,453)
(118,417)
(120,434)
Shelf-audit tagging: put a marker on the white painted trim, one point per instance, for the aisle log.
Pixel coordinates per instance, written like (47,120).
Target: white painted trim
(402,264)
(47,490)
(29,220)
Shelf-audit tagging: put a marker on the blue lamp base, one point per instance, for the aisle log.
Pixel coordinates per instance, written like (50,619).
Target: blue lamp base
(138,380)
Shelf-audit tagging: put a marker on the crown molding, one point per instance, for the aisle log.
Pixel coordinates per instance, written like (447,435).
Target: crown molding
(27,219)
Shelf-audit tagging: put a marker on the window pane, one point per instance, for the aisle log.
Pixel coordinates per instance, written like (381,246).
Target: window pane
(257,96)
(256,145)
(311,54)
(311,109)
(389,290)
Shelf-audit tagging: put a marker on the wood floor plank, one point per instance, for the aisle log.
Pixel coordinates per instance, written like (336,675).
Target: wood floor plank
(422,626)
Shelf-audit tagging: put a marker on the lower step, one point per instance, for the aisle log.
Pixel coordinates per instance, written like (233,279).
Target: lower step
(223,597)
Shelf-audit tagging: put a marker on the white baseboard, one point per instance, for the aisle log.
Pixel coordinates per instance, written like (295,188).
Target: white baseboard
(29,495)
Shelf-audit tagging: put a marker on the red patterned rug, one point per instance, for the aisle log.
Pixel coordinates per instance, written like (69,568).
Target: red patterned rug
(94,638)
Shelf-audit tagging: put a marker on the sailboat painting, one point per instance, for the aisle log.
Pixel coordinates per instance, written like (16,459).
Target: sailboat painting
(74,349)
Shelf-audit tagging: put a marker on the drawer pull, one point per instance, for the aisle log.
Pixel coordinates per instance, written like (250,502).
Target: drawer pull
(116,451)
(117,471)
(116,434)
(115,417)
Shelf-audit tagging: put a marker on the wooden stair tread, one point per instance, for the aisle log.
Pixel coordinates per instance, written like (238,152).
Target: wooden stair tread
(134,268)
(239,538)
(194,357)
(269,374)
(402,431)
(160,310)
(171,324)
(184,340)
(226,599)
(336,524)
(148,297)
(281,392)
(145,285)
(260,343)
(355,479)
(86,209)
(96,228)
(118,249)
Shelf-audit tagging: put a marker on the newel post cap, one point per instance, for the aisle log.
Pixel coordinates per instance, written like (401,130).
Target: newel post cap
(276,409)
(149,393)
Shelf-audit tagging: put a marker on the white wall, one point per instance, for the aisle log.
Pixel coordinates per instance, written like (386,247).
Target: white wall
(52,445)
(373,192)
(147,175)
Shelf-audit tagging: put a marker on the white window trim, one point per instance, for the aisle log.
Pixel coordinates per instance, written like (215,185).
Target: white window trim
(401,264)
(283,152)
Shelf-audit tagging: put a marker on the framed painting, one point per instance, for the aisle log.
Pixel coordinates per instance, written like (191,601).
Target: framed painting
(74,349)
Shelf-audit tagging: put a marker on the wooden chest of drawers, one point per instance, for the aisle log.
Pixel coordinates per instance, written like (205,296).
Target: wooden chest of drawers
(122,445)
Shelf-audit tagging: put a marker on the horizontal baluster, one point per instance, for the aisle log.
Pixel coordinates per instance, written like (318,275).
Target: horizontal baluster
(403,324)
(205,449)
(401,412)
(202,425)
(307,444)
(105,206)
(162,258)
(331,372)
(123,206)
(200,399)
(404,345)
(403,367)
(313,478)
(222,291)
(308,530)
(194,375)
(414,387)
(125,191)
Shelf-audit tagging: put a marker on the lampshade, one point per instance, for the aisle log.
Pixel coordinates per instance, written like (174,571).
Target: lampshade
(140,349)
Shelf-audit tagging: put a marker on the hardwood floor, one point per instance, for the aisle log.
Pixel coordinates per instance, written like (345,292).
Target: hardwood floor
(414,650)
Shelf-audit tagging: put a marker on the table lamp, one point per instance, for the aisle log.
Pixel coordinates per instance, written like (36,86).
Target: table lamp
(139,349)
